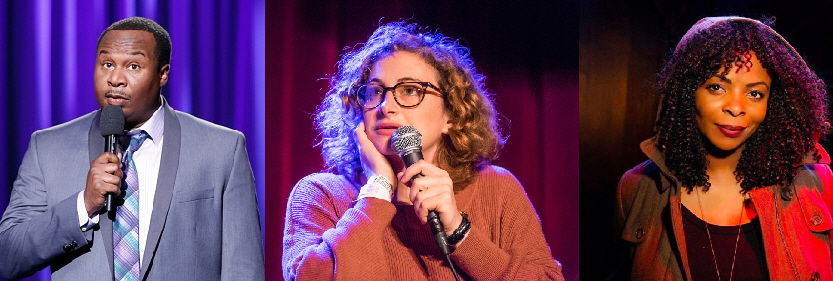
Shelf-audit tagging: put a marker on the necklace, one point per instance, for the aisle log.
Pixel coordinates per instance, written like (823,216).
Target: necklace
(734,255)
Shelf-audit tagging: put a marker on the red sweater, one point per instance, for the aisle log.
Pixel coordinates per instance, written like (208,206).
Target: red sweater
(328,235)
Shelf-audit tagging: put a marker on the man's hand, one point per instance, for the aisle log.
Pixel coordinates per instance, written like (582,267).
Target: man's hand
(104,177)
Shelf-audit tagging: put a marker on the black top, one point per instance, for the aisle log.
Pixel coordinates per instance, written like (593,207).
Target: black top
(750,261)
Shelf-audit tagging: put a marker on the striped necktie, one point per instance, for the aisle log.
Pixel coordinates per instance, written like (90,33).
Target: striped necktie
(126,226)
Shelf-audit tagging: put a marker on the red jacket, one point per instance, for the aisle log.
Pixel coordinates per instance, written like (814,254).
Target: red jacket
(796,232)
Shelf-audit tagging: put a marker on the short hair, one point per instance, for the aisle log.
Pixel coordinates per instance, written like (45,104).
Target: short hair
(162,51)
(473,140)
(796,109)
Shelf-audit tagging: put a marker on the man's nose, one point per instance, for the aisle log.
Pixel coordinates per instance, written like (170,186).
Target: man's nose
(116,78)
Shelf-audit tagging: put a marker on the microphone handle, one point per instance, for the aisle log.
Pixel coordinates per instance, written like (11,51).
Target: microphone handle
(437,230)
(436,227)
(110,142)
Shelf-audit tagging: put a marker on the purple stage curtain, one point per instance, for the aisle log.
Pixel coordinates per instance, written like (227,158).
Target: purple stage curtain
(527,51)
(47,55)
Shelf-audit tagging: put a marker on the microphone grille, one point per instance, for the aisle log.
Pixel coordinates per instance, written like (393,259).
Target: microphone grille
(112,120)
(404,139)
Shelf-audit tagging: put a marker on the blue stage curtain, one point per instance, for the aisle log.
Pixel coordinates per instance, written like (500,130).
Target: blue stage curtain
(47,55)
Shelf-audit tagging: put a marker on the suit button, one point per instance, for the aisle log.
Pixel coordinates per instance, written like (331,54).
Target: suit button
(71,246)
(639,233)
(815,276)
(816,220)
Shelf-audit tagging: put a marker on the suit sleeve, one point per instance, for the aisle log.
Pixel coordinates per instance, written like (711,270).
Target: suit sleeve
(33,234)
(521,253)
(242,241)
(320,244)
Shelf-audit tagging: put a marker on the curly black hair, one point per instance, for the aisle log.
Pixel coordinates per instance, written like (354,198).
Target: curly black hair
(796,111)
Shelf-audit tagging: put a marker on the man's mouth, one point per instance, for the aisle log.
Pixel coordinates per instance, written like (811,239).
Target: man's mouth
(116,98)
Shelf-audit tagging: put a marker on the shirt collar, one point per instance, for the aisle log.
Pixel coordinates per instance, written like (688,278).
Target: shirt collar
(155,126)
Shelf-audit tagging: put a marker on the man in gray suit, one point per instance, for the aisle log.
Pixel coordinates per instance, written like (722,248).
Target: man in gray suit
(193,213)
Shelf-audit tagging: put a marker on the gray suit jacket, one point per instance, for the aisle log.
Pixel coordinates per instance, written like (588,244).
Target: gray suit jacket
(204,226)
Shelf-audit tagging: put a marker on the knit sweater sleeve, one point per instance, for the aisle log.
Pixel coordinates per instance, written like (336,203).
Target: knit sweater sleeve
(514,247)
(321,243)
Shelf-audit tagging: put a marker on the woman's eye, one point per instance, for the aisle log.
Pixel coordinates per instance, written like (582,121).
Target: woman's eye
(108,65)
(756,95)
(377,91)
(713,87)
(410,91)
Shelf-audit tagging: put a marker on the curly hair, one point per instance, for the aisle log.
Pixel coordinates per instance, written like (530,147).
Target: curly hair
(796,111)
(473,140)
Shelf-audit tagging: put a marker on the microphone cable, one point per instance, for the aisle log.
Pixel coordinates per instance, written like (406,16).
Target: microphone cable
(440,238)
(451,265)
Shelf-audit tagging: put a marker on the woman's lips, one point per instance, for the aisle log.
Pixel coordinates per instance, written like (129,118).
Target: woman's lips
(730,131)
(386,129)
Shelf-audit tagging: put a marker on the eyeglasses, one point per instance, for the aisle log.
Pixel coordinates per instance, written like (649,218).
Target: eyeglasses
(406,94)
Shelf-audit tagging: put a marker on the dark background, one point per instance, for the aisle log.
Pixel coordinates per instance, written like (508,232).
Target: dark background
(527,50)
(622,46)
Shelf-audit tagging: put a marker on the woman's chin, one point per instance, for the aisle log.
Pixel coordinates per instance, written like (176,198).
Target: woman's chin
(728,147)
(723,149)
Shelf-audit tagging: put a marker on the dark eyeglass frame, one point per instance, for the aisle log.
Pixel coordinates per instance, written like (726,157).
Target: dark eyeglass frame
(425,86)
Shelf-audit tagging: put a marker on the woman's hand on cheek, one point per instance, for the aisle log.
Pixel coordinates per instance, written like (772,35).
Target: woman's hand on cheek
(433,191)
(373,162)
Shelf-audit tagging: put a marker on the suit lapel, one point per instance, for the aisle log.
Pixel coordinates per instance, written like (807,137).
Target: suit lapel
(164,186)
(105,224)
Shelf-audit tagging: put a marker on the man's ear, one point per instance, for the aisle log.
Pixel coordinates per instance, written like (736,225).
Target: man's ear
(163,75)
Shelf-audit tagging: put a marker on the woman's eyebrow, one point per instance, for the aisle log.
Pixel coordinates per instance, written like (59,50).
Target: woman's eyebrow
(750,85)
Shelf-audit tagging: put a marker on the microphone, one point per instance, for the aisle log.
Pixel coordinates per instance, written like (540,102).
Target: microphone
(407,143)
(112,126)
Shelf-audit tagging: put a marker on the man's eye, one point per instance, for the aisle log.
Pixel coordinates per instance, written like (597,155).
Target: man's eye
(133,66)
(108,65)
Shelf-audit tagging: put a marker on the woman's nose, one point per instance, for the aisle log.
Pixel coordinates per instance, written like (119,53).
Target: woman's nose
(389,105)
(734,104)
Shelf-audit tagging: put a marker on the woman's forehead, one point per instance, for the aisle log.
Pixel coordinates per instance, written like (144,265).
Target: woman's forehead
(402,64)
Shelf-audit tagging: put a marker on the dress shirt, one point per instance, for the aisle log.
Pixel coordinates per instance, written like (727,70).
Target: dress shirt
(147,159)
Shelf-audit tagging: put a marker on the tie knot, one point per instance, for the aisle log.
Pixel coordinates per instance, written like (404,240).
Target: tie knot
(136,141)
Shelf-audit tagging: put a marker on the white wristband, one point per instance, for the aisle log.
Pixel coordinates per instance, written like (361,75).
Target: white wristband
(377,186)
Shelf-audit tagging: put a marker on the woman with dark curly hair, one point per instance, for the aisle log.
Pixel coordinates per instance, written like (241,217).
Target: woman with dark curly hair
(366,219)
(735,184)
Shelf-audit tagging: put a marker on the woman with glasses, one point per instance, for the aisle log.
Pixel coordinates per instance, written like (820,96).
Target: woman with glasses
(367,219)
(735,188)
